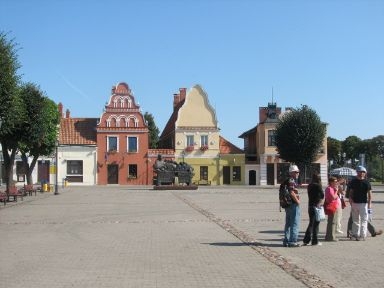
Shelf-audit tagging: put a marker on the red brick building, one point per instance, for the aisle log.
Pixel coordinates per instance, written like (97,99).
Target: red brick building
(122,141)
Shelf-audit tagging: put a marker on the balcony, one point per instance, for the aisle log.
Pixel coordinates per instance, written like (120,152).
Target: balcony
(189,148)
(203,147)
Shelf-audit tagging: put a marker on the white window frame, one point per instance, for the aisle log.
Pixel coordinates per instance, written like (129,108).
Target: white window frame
(137,144)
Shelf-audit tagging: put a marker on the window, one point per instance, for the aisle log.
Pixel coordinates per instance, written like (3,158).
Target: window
(112,143)
(271,137)
(132,144)
(132,171)
(75,170)
(204,140)
(74,167)
(190,140)
(203,172)
(236,173)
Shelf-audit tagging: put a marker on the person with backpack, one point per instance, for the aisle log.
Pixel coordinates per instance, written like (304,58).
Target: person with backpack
(315,199)
(292,212)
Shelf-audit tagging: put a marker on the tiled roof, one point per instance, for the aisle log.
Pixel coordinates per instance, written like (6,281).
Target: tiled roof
(78,131)
(250,131)
(227,147)
(170,127)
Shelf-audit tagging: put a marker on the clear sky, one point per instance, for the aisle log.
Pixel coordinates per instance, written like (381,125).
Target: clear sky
(326,54)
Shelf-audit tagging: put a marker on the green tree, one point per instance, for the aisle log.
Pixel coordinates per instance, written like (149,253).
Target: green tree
(153,130)
(299,136)
(41,132)
(378,147)
(351,146)
(12,109)
(333,151)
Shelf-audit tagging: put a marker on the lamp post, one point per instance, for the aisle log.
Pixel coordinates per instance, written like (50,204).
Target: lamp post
(57,170)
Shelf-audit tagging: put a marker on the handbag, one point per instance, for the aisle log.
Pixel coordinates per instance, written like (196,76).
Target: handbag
(319,213)
(330,208)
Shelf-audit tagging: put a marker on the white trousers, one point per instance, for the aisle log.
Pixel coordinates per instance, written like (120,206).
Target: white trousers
(360,219)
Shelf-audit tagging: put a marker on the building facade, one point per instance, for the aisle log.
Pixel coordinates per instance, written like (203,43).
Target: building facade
(262,163)
(192,132)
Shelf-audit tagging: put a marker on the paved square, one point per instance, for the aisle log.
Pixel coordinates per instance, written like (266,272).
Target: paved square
(139,237)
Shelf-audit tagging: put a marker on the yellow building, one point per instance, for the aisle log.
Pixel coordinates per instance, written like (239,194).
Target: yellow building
(193,132)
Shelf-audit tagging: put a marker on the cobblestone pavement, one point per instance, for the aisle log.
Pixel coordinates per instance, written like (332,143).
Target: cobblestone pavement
(139,237)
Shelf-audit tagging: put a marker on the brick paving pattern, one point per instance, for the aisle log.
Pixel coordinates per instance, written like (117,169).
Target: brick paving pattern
(139,237)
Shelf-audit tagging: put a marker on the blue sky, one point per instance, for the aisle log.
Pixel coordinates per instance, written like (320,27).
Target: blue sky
(327,54)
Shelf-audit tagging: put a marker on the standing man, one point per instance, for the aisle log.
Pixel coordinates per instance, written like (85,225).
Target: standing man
(292,213)
(360,197)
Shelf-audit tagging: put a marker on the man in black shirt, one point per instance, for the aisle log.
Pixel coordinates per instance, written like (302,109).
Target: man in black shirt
(360,197)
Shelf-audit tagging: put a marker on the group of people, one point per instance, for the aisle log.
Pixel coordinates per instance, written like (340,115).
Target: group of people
(332,199)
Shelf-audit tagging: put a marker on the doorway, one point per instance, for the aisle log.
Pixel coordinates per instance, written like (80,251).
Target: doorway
(43,171)
(226,175)
(113,174)
(252,177)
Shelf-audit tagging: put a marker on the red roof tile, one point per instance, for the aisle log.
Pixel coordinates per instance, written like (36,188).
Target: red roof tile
(78,131)
(227,147)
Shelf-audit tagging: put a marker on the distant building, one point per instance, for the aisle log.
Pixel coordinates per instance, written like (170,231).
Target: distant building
(113,149)
(263,166)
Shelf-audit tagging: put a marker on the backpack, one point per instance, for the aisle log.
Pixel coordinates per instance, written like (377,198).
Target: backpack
(284,195)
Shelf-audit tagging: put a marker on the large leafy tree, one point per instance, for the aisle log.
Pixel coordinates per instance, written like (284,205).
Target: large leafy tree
(299,136)
(352,148)
(12,108)
(153,130)
(41,132)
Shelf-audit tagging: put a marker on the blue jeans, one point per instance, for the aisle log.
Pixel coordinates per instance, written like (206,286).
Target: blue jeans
(292,224)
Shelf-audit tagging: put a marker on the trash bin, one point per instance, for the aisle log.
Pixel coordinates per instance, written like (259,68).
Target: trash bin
(51,188)
(45,187)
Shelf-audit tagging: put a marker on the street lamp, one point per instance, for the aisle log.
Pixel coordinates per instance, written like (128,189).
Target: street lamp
(57,170)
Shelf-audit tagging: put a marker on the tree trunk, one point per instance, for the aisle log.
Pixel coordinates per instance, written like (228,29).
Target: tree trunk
(9,161)
(29,167)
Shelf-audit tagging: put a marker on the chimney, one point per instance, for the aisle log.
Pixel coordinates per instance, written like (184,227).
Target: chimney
(183,93)
(67,114)
(60,106)
(176,100)
(263,114)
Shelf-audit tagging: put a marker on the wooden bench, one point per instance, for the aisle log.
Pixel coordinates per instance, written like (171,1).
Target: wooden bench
(29,190)
(3,197)
(14,192)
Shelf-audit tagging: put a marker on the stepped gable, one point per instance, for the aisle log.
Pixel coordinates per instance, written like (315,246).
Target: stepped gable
(122,112)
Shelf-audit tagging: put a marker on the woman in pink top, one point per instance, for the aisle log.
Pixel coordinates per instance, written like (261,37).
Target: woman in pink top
(331,196)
